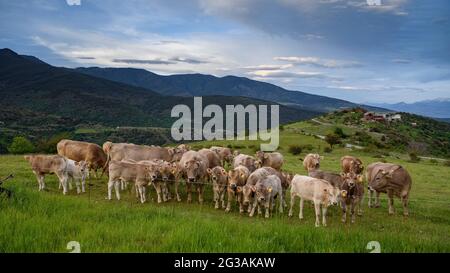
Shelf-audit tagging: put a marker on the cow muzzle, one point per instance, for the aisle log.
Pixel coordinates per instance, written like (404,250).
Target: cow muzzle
(191,179)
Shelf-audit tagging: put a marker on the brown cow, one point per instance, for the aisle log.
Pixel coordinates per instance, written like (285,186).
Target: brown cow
(274,160)
(83,151)
(352,193)
(49,164)
(237,178)
(193,166)
(312,162)
(392,179)
(213,158)
(219,177)
(351,164)
(249,189)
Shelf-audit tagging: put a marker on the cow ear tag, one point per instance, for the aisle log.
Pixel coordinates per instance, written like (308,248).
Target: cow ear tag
(270,189)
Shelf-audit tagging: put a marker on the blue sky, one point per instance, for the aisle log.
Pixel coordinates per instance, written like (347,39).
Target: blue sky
(396,51)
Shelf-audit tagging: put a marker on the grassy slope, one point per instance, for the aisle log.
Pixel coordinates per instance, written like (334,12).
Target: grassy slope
(46,221)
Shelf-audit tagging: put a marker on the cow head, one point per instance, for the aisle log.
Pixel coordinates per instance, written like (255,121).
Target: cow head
(356,166)
(192,170)
(313,161)
(153,172)
(260,155)
(331,195)
(83,168)
(165,169)
(381,179)
(258,164)
(217,174)
(261,191)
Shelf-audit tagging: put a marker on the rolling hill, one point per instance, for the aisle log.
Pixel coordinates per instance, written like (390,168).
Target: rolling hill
(206,85)
(438,108)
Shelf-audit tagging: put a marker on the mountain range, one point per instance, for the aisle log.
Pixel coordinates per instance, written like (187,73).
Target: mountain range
(206,85)
(29,85)
(438,108)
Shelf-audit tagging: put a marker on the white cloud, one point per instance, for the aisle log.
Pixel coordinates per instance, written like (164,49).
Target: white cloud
(324,63)
(73,2)
(285,74)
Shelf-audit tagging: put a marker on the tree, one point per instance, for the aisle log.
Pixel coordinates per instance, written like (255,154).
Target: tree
(20,145)
(332,139)
(339,132)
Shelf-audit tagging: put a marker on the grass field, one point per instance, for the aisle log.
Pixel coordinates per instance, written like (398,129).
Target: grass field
(33,221)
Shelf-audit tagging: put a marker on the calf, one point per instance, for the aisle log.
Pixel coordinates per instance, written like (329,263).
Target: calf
(312,162)
(352,192)
(49,164)
(248,189)
(245,160)
(213,158)
(266,190)
(319,191)
(77,171)
(236,181)
(351,164)
(274,160)
(219,177)
(142,175)
(334,178)
(225,154)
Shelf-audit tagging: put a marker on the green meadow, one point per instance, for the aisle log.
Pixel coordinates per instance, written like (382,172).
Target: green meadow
(33,221)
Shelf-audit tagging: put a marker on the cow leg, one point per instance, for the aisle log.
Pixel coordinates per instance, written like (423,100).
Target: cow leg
(64,180)
(230,197)
(222,198)
(292,204)
(282,202)
(369,203)
(83,185)
(267,206)
(352,211)
(391,201)
(77,184)
(176,191)
(377,199)
(405,205)
(117,189)
(200,193)
(216,196)
(142,193)
(300,214)
(157,186)
(317,210)
(137,191)
(189,194)
(241,202)
(255,204)
(110,187)
(164,191)
(324,215)
(344,212)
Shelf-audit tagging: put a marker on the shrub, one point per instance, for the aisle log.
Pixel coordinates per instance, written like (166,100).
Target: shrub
(413,157)
(447,163)
(327,150)
(49,146)
(433,161)
(307,147)
(21,145)
(295,149)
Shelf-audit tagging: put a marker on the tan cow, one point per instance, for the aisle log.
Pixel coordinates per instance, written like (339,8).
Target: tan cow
(274,160)
(249,188)
(163,170)
(49,164)
(193,166)
(245,160)
(351,164)
(312,162)
(392,179)
(319,191)
(237,178)
(83,151)
(213,158)
(141,175)
(128,151)
(334,178)
(219,177)
(225,154)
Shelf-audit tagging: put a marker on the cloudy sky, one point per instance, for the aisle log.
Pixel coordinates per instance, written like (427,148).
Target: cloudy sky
(351,49)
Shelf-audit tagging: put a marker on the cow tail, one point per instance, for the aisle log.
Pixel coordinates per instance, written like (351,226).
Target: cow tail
(108,159)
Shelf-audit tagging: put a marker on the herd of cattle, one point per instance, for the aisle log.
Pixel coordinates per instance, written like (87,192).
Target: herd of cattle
(255,182)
